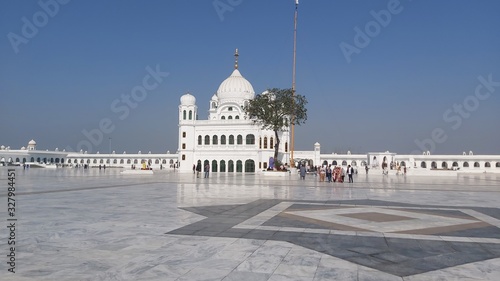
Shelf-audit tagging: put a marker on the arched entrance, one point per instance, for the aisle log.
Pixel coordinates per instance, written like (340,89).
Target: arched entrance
(214,166)
(249,166)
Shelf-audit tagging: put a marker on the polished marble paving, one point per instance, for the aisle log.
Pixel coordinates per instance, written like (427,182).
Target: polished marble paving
(93,224)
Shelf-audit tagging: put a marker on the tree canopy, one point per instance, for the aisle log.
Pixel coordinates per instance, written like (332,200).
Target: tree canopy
(276,110)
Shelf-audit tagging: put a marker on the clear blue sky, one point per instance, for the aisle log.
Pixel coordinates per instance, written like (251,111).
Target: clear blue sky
(393,92)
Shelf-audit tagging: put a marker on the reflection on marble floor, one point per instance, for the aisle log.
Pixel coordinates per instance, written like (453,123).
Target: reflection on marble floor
(94,225)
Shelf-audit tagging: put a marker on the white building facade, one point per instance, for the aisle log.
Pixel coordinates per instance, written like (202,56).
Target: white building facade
(228,141)
(231,143)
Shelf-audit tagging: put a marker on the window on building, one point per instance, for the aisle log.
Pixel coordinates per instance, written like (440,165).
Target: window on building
(183,134)
(222,166)
(183,156)
(207,140)
(199,140)
(250,139)
(231,139)
(183,146)
(466,164)
(286,146)
(230,108)
(214,166)
(265,142)
(476,164)
(239,139)
(237,117)
(215,139)
(184,115)
(260,142)
(190,115)
(223,139)
(271,143)
(230,117)
(223,118)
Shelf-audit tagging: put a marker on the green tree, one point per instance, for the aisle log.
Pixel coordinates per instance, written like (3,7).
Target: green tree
(276,110)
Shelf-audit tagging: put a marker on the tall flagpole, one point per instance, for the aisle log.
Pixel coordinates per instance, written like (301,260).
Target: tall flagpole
(292,131)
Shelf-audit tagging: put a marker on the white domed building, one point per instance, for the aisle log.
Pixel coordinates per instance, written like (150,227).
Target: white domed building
(228,141)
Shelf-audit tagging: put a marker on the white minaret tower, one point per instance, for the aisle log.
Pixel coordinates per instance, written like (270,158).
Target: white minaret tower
(188,112)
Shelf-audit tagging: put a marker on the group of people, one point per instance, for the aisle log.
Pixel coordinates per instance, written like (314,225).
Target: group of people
(336,173)
(197,170)
(329,173)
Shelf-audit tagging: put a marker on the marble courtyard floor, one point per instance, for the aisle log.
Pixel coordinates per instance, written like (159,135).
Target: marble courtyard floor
(99,225)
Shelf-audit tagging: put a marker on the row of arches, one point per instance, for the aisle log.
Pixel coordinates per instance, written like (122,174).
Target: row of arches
(120,161)
(445,165)
(343,163)
(229,166)
(214,140)
(39,160)
(249,140)
(185,113)
(230,117)
(90,161)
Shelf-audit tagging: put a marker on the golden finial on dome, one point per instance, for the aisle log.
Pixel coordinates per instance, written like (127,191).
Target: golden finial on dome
(236,55)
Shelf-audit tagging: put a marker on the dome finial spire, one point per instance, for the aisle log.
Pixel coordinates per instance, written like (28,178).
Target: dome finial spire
(236,55)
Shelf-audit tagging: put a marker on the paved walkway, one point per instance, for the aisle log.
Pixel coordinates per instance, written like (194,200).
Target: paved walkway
(100,225)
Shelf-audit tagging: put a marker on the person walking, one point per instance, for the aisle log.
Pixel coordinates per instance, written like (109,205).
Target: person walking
(322,173)
(329,173)
(302,172)
(207,170)
(350,171)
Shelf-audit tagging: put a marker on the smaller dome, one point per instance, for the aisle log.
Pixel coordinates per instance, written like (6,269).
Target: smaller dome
(188,99)
(32,142)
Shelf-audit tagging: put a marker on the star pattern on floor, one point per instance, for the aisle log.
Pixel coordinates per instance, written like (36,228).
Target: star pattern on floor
(396,238)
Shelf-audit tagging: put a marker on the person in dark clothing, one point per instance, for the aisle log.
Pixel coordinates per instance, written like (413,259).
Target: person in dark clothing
(198,169)
(350,171)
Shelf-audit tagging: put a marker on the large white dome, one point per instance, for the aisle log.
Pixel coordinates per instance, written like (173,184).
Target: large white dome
(235,88)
